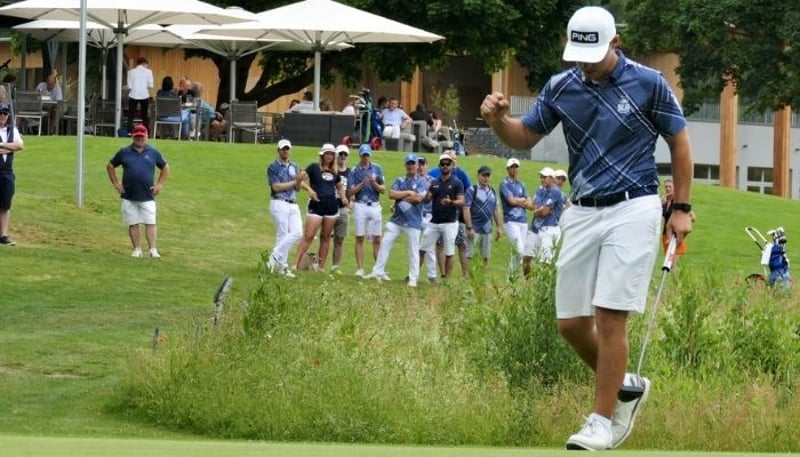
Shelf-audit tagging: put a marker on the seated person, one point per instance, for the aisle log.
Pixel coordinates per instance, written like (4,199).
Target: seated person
(394,119)
(350,108)
(167,88)
(207,113)
(306,105)
(325,105)
(50,90)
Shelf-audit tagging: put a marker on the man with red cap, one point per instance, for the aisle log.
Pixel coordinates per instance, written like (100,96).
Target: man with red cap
(139,188)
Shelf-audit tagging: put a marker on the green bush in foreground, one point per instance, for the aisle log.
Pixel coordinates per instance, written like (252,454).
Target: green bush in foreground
(475,362)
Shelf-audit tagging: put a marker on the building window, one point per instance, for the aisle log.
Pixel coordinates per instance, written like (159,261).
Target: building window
(664,169)
(759,180)
(706,172)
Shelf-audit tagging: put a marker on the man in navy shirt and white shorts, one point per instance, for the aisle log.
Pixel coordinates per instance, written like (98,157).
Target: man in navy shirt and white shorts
(612,111)
(139,188)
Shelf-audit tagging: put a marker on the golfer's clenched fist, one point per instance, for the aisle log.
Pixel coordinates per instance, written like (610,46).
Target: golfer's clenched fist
(494,107)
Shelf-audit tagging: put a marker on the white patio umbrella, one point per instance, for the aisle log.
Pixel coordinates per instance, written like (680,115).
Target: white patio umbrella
(100,36)
(124,15)
(318,24)
(234,47)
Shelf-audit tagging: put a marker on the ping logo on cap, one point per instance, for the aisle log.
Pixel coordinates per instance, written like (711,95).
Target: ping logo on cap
(584,37)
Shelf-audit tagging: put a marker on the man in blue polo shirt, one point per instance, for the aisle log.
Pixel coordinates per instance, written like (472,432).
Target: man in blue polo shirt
(138,188)
(612,111)
(515,201)
(543,234)
(364,187)
(480,209)
(408,192)
(284,178)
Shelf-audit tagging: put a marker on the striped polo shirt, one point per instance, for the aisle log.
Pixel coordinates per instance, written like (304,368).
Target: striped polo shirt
(513,188)
(367,194)
(611,128)
(280,172)
(407,214)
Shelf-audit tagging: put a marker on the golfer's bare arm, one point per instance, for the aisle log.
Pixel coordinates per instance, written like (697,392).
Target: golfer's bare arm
(680,223)
(495,110)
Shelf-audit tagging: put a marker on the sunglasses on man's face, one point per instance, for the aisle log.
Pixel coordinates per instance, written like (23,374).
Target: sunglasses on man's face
(4,113)
(445,164)
(561,178)
(486,175)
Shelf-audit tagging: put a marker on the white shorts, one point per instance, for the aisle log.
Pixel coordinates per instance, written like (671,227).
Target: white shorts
(135,213)
(516,233)
(448,232)
(368,219)
(542,245)
(607,257)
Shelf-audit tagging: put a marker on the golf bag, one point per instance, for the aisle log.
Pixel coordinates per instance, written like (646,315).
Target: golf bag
(368,126)
(773,257)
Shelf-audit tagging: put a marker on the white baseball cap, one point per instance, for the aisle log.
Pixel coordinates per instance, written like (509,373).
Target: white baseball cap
(547,171)
(284,144)
(342,148)
(512,161)
(327,147)
(560,173)
(589,32)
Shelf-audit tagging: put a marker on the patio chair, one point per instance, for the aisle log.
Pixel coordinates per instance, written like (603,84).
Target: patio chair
(167,112)
(28,107)
(104,116)
(243,116)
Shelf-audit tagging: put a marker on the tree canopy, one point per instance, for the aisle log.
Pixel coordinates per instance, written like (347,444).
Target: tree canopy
(491,30)
(756,44)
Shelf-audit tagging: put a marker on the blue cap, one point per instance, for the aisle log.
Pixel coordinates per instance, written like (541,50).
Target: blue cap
(364,150)
(411,158)
(4,107)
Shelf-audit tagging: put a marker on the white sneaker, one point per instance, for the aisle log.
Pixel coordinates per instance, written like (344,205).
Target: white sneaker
(360,272)
(593,436)
(378,276)
(412,283)
(154,254)
(137,252)
(273,265)
(625,411)
(288,273)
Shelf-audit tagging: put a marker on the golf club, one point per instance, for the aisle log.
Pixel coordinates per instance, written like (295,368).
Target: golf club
(631,392)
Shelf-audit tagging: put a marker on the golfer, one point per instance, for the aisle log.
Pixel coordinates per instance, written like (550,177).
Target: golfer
(612,111)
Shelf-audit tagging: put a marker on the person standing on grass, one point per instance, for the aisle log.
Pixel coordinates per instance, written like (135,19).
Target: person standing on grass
(447,195)
(340,230)
(544,233)
(480,209)
(408,192)
(365,185)
(140,81)
(515,201)
(612,111)
(284,178)
(326,191)
(10,143)
(139,188)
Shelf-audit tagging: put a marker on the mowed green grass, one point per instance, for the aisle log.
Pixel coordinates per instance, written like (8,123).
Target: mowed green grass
(18,446)
(74,304)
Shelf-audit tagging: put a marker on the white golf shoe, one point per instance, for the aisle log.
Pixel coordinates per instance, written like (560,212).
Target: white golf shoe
(595,435)
(625,412)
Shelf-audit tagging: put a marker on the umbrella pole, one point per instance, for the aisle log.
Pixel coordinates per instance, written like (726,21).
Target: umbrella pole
(81,106)
(232,84)
(317,62)
(104,88)
(118,88)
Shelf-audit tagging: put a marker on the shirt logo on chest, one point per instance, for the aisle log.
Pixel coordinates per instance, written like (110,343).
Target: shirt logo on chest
(623,106)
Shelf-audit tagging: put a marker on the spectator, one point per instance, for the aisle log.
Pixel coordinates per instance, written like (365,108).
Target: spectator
(364,187)
(428,258)
(480,209)
(394,119)
(167,88)
(514,199)
(447,195)
(49,88)
(543,234)
(325,193)
(284,178)
(408,191)
(10,144)
(207,113)
(7,87)
(462,243)
(139,188)
(342,226)
(140,81)
(325,105)
(304,106)
(561,178)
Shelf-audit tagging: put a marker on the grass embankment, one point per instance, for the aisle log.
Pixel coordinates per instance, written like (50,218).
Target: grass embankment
(79,313)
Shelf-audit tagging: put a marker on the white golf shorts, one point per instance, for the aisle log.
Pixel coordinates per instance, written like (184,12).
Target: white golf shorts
(135,213)
(368,219)
(607,257)
(431,234)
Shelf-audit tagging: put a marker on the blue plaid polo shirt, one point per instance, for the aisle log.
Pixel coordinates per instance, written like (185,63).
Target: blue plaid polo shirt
(511,188)
(482,202)
(552,197)
(279,172)
(407,214)
(611,128)
(357,174)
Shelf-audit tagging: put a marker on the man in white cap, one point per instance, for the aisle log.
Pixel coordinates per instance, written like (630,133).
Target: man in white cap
(514,200)
(543,233)
(561,178)
(612,111)
(285,178)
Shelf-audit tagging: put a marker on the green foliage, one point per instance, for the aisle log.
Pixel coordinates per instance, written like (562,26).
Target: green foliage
(755,44)
(445,102)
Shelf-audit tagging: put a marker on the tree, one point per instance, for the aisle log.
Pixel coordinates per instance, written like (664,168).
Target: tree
(754,44)
(491,30)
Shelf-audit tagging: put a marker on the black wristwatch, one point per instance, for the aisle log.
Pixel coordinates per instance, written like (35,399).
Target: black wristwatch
(685,207)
